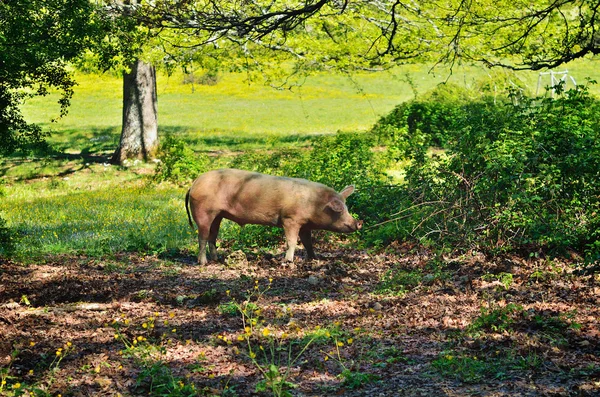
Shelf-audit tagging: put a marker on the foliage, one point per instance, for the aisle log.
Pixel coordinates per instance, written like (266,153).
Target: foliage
(499,319)
(178,163)
(38,39)
(433,115)
(344,159)
(257,236)
(515,174)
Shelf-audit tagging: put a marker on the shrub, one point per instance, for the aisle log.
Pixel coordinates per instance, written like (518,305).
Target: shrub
(437,113)
(515,175)
(178,163)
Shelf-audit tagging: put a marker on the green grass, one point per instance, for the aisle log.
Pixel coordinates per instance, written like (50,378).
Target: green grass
(54,217)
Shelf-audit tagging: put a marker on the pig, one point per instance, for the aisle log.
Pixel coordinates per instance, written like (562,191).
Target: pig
(297,205)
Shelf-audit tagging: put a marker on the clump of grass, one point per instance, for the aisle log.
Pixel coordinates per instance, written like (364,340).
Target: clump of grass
(474,368)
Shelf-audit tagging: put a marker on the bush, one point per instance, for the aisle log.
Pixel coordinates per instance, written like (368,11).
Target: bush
(437,113)
(515,175)
(178,163)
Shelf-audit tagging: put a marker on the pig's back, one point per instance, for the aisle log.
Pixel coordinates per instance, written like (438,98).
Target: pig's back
(251,197)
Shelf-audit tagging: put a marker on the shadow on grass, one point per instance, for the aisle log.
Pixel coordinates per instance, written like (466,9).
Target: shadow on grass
(232,140)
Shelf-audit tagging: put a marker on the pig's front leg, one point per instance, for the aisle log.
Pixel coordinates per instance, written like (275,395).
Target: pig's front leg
(306,239)
(291,229)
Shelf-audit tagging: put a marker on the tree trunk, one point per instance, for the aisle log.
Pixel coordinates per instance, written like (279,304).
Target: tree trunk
(139,134)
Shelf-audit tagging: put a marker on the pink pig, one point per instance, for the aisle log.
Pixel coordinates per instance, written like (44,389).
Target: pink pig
(297,205)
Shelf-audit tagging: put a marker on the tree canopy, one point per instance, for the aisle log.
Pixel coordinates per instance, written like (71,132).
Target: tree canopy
(516,34)
(38,40)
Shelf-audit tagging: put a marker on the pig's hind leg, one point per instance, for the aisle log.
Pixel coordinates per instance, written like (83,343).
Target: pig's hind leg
(306,239)
(212,237)
(204,222)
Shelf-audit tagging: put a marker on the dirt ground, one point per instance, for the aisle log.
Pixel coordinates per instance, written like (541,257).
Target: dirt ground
(417,343)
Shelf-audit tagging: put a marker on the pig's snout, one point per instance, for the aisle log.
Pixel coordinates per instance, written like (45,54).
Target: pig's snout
(354,226)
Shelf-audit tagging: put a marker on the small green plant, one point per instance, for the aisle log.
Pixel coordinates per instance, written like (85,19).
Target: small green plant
(178,163)
(157,379)
(356,379)
(272,352)
(506,279)
(352,377)
(553,328)
(468,369)
(471,368)
(497,319)
(398,281)
(146,347)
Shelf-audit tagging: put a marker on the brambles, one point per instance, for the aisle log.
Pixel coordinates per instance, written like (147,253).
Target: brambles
(517,174)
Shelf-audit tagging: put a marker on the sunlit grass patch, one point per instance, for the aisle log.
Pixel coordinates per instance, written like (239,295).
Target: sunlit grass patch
(101,221)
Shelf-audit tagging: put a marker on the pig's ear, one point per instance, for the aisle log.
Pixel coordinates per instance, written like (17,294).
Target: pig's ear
(335,204)
(348,190)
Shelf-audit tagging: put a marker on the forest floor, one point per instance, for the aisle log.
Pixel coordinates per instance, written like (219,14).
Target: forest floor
(399,322)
